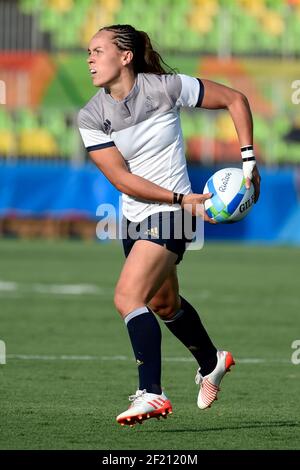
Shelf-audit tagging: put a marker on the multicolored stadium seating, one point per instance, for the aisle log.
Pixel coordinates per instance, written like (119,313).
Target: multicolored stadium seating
(251,26)
(215,39)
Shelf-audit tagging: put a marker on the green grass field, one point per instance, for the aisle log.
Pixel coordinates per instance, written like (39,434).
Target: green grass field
(70,367)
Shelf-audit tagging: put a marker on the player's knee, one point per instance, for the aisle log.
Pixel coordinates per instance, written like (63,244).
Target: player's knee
(165,309)
(120,301)
(125,302)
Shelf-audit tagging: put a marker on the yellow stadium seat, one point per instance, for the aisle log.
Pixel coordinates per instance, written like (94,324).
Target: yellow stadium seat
(201,23)
(210,7)
(273,23)
(37,142)
(111,6)
(62,6)
(98,16)
(256,8)
(7,143)
(225,128)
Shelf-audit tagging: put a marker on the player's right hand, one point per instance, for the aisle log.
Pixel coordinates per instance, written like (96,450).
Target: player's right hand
(255,177)
(194,203)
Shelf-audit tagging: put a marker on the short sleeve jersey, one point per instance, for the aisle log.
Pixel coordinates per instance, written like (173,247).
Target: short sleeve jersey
(145,128)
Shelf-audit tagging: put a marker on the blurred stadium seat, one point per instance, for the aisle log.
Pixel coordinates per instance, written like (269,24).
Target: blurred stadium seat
(46,133)
(254,25)
(7,138)
(210,32)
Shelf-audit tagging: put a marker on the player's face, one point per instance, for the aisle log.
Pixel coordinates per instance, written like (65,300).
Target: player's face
(105,60)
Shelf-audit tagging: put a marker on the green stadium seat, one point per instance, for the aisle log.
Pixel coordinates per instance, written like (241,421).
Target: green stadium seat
(70,144)
(26,120)
(77,16)
(295,153)
(192,41)
(293,34)
(187,124)
(67,36)
(261,129)
(277,154)
(281,125)
(6,121)
(50,20)
(212,40)
(54,121)
(28,6)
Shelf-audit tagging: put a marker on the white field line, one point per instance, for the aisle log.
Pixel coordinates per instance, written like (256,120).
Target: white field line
(54,289)
(18,290)
(36,357)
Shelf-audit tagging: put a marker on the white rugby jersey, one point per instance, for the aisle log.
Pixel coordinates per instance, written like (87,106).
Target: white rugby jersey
(145,127)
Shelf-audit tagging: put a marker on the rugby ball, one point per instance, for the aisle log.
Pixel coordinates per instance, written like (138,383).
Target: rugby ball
(230,201)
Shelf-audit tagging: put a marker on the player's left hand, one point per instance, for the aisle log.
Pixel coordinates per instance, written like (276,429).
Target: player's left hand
(256,183)
(194,203)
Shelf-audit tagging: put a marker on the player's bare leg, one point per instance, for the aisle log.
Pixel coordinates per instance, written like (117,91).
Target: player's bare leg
(144,271)
(166,301)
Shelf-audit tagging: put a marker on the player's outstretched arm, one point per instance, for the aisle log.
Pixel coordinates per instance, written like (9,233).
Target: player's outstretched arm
(217,96)
(112,164)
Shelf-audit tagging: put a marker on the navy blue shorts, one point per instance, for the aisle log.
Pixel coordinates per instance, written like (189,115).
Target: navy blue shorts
(172,229)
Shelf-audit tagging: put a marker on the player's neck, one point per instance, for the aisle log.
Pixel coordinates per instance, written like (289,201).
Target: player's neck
(122,87)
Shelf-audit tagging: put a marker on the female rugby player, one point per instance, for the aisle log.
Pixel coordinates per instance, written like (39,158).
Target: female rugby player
(131,129)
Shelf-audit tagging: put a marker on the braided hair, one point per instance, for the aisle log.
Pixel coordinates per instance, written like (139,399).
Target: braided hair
(145,58)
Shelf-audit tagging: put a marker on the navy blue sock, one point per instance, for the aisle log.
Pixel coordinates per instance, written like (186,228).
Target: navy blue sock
(145,336)
(188,328)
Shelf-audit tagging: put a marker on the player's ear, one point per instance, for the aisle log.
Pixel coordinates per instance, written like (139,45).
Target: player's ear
(127,57)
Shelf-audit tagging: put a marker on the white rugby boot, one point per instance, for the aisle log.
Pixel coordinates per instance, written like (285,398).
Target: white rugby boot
(144,406)
(209,384)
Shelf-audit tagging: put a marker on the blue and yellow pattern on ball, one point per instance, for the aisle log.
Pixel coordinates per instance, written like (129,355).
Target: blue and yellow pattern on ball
(220,211)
